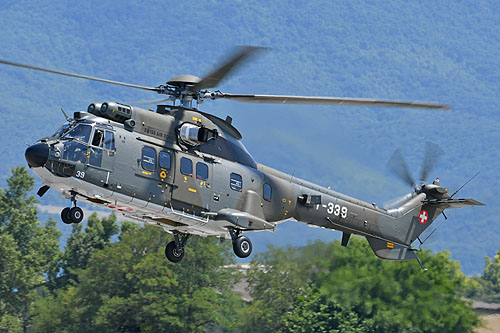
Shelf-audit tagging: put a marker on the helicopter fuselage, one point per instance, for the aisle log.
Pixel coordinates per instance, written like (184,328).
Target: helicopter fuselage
(187,172)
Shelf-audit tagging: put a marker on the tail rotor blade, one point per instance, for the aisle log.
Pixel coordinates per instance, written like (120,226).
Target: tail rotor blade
(398,166)
(432,155)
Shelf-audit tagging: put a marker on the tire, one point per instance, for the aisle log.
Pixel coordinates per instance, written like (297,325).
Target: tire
(173,253)
(242,246)
(76,214)
(65,216)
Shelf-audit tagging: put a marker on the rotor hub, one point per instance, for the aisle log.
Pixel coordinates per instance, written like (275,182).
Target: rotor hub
(183,81)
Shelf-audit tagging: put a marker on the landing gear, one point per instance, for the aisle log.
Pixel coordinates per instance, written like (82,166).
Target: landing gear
(174,251)
(242,246)
(65,215)
(72,215)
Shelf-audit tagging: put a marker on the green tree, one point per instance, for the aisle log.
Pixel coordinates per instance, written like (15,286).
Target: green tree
(30,252)
(12,274)
(385,296)
(130,286)
(81,244)
(399,296)
(492,272)
(313,312)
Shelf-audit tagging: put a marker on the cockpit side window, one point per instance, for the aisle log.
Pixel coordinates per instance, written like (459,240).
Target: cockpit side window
(98,138)
(109,141)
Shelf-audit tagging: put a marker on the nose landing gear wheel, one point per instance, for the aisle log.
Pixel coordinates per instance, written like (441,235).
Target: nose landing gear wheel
(242,246)
(174,253)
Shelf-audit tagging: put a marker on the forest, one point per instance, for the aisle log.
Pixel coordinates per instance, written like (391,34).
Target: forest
(113,277)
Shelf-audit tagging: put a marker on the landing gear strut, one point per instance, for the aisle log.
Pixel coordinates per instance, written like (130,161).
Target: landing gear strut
(174,251)
(242,246)
(72,215)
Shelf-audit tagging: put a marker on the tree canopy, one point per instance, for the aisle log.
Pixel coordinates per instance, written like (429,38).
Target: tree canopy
(125,284)
(293,288)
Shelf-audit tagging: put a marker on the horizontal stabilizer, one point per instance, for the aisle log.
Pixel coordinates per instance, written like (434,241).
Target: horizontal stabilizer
(452,203)
(390,251)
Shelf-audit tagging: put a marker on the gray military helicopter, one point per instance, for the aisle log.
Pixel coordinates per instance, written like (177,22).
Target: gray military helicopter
(187,171)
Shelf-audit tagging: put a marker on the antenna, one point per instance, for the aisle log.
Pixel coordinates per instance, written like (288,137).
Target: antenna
(467,182)
(66,116)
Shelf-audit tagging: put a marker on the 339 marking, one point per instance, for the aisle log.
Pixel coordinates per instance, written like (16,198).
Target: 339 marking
(80,174)
(337,210)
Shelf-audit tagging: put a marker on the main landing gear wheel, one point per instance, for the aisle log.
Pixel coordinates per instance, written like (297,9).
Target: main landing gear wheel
(242,246)
(76,214)
(72,215)
(65,216)
(173,253)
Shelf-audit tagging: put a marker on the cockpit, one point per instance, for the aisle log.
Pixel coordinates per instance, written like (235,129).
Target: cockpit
(86,141)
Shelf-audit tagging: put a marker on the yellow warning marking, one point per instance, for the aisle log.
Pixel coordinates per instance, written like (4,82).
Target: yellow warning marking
(163,174)
(185,179)
(289,202)
(147,173)
(191,190)
(390,245)
(196,119)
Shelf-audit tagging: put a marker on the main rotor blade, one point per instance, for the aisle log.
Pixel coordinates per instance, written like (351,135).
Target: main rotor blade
(398,166)
(216,76)
(432,155)
(283,99)
(155,102)
(79,76)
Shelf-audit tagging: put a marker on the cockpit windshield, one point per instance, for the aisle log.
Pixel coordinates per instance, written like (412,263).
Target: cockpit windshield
(80,132)
(60,130)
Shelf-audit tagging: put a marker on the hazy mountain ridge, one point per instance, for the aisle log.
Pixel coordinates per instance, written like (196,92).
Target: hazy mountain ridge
(421,51)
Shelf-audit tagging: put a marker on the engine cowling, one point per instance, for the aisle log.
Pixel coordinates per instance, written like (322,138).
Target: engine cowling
(111,110)
(194,135)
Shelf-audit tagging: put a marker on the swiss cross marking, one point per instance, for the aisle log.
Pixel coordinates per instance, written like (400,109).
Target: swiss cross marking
(423,216)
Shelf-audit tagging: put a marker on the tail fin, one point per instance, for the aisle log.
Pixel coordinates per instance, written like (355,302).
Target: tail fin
(412,219)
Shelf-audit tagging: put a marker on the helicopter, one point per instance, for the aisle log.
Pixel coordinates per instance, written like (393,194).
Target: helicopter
(187,172)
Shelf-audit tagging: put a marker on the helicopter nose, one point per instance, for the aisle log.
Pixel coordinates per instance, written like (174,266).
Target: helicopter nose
(37,155)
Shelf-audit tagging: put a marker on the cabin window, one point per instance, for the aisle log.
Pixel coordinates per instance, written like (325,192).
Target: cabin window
(109,141)
(267,192)
(148,158)
(236,182)
(201,171)
(186,166)
(165,160)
